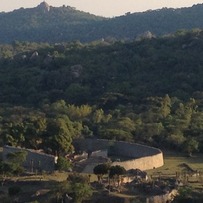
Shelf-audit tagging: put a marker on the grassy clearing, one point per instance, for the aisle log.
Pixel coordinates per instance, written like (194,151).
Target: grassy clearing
(182,165)
(175,163)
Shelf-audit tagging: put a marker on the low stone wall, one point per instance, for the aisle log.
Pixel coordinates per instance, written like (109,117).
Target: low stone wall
(168,197)
(34,161)
(138,156)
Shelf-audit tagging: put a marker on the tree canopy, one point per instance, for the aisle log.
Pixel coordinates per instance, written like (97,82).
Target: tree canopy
(145,91)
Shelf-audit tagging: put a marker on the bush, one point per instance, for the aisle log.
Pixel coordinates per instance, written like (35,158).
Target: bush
(63,164)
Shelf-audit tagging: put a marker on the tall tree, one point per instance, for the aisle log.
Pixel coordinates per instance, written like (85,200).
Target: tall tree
(101,170)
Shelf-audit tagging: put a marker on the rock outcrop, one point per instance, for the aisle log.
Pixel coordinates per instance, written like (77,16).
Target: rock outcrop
(44,6)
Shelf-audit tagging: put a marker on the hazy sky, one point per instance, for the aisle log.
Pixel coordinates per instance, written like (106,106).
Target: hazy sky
(108,8)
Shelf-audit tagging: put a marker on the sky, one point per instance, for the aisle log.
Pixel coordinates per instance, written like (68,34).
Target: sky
(106,8)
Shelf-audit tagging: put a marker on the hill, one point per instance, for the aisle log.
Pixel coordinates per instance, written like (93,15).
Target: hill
(45,23)
(87,73)
(148,91)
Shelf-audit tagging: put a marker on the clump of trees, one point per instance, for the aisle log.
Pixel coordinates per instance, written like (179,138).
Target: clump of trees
(13,165)
(113,172)
(76,188)
(159,121)
(63,164)
(101,170)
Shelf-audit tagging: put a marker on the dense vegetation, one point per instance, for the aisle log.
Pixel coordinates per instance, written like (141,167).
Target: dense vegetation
(147,91)
(49,24)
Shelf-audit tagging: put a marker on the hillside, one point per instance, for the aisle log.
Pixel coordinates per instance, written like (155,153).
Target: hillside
(159,22)
(87,73)
(45,23)
(147,91)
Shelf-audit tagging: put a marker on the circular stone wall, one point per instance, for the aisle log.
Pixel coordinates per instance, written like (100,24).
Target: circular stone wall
(138,156)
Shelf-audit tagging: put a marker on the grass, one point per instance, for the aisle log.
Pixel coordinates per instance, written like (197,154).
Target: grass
(174,163)
(179,163)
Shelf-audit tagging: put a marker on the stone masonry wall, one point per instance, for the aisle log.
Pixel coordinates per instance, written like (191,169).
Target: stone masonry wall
(145,163)
(139,156)
(132,150)
(34,161)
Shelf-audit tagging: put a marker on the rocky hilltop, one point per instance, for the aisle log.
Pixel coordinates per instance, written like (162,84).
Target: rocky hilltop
(44,6)
(45,23)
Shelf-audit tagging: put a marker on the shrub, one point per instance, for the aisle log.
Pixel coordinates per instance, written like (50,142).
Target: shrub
(63,164)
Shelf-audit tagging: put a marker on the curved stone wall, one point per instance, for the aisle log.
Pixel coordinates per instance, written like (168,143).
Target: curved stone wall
(34,160)
(145,163)
(136,155)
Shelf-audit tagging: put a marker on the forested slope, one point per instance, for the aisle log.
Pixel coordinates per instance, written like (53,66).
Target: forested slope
(147,90)
(86,73)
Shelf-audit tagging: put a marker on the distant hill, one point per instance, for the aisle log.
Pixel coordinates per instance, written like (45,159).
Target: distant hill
(45,23)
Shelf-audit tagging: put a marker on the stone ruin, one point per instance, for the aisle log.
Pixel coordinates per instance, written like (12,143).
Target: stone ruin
(129,155)
(35,160)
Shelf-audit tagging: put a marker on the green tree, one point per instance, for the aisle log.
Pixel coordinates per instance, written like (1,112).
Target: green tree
(6,168)
(60,133)
(81,191)
(14,133)
(166,106)
(149,131)
(116,172)
(63,164)
(14,163)
(61,189)
(176,139)
(35,126)
(79,187)
(17,157)
(101,170)
(59,107)
(116,134)
(98,116)
(190,145)
(78,112)
(126,124)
